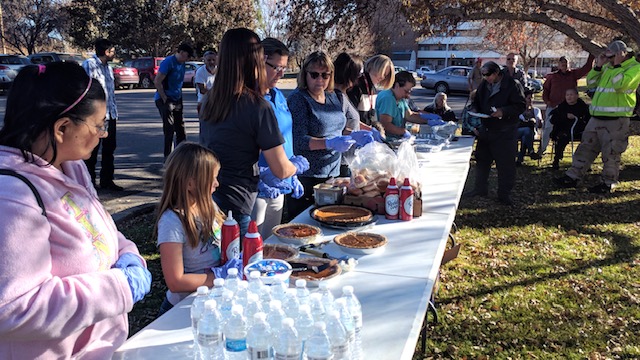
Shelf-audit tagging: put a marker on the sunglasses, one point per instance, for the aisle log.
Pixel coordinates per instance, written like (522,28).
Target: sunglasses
(487,74)
(509,58)
(315,74)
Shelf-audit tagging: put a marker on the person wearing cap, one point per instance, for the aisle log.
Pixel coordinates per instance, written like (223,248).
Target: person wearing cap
(206,75)
(475,75)
(607,131)
(502,99)
(168,96)
(554,90)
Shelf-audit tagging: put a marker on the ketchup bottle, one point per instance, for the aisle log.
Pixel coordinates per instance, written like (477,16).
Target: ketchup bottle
(391,199)
(251,245)
(406,201)
(230,244)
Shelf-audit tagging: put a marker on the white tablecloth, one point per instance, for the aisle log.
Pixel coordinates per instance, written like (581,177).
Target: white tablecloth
(394,285)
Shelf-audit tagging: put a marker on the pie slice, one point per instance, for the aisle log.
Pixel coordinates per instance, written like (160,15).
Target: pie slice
(344,214)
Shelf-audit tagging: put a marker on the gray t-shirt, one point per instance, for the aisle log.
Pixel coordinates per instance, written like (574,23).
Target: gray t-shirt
(195,260)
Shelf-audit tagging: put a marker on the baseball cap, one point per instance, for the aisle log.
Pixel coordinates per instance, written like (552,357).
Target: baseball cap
(186,48)
(616,46)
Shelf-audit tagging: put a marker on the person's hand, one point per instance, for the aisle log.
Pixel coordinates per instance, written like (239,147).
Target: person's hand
(339,143)
(362,137)
(300,162)
(298,189)
(497,114)
(406,134)
(377,136)
(128,259)
(268,192)
(271,180)
(571,116)
(220,272)
(139,279)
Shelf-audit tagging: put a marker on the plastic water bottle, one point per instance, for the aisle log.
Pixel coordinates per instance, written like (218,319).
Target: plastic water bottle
(275,316)
(226,306)
(291,304)
(302,292)
(287,345)
(265,294)
(241,293)
(318,346)
(253,307)
(338,337)
(304,324)
(217,290)
(209,339)
(327,296)
(235,335)
(259,339)
(347,321)
(232,280)
(255,284)
(279,290)
(197,307)
(317,308)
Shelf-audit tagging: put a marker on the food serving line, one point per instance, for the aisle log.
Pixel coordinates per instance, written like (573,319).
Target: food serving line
(393,285)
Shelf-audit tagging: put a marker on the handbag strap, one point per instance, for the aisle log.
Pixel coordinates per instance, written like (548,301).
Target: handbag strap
(10,172)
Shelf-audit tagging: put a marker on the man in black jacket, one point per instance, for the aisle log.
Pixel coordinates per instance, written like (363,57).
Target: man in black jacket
(502,98)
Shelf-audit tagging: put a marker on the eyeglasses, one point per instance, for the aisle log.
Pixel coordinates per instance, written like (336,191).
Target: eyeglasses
(315,74)
(487,74)
(510,58)
(101,129)
(276,68)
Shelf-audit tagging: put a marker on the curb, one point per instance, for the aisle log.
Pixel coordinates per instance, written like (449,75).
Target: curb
(132,212)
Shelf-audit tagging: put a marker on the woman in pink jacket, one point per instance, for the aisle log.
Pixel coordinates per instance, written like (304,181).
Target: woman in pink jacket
(68,278)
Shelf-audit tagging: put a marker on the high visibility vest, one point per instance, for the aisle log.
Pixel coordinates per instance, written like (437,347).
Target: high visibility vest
(615,89)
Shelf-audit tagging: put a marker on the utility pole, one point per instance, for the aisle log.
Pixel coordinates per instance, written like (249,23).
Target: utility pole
(4,48)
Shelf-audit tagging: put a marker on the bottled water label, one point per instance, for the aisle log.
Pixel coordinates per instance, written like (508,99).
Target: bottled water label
(287,356)
(236,345)
(257,354)
(341,351)
(319,358)
(209,339)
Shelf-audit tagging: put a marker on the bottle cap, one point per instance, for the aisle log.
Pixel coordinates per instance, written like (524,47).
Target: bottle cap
(260,316)
(304,308)
(320,325)
(323,285)
(255,274)
(347,289)
(275,304)
(236,308)
(202,290)
(301,283)
(406,182)
(253,228)
(218,282)
(232,272)
(392,181)
(287,322)
(210,305)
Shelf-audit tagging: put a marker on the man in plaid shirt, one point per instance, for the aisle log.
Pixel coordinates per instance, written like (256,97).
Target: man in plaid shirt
(98,68)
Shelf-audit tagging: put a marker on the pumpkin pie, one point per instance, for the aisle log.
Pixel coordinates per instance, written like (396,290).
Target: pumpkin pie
(343,214)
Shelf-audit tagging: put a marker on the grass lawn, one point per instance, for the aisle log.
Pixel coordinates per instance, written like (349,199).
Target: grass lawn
(555,277)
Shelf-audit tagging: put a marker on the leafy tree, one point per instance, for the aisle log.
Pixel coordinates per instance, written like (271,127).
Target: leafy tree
(29,23)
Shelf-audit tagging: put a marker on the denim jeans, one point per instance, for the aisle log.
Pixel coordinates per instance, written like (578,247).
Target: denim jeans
(525,135)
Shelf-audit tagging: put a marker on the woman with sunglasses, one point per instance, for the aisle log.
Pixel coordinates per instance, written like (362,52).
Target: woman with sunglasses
(502,99)
(237,124)
(318,124)
(68,276)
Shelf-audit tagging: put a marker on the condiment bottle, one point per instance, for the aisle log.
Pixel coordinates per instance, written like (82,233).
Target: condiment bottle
(391,199)
(230,244)
(251,245)
(406,201)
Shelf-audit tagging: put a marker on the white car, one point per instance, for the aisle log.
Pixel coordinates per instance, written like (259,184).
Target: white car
(402,68)
(423,70)
(9,67)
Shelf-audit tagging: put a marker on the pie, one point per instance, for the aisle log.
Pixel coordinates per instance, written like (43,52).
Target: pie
(330,272)
(343,214)
(296,230)
(360,240)
(277,251)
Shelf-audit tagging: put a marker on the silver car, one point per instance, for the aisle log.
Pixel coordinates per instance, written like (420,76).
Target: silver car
(452,78)
(9,67)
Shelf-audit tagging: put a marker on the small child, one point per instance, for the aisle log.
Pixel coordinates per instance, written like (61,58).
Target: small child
(189,223)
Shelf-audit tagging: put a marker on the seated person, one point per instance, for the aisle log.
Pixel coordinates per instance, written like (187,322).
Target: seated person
(563,117)
(531,116)
(471,125)
(393,110)
(440,107)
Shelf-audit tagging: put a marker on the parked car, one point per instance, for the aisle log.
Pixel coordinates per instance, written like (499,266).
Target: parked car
(535,85)
(452,78)
(47,57)
(423,70)
(147,69)
(190,73)
(9,67)
(402,68)
(125,76)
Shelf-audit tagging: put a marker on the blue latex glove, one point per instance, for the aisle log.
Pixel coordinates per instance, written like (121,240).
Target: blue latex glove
(267,192)
(128,259)
(362,137)
(271,180)
(300,162)
(298,189)
(432,119)
(139,280)
(377,136)
(339,143)
(406,134)
(221,271)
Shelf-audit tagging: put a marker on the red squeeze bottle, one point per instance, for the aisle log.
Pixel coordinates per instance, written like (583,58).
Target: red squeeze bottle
(406,201)
(230,244)
(391,200)
(251,245)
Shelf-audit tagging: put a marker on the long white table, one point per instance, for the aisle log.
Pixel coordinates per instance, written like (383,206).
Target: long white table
(394,286)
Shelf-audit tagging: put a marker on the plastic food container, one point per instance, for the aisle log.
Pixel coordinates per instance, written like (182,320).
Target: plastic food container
(325,194)
(270,270)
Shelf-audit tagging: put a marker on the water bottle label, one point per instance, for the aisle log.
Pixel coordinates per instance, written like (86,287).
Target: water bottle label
(408,206)
(391,204)
(233,250)
(257,354)
(318,357)
(209,339)
(341,351)
(288,356)
(236,345)
(256,257)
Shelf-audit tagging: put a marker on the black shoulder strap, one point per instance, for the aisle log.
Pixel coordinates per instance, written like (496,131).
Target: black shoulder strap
(29,184)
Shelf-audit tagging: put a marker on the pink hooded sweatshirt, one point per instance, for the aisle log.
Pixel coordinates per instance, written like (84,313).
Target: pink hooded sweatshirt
(59,296)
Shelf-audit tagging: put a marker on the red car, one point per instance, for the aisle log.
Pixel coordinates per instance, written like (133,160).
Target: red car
(124,76)
(147,69)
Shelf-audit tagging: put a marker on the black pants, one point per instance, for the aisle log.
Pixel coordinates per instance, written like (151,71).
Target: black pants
(108,149)
(500,146)
(172,122)
(296,206)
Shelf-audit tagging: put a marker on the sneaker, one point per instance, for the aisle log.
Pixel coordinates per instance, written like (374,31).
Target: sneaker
(601,188)
(111,186)
(565,182)
(555,165)
(535,156)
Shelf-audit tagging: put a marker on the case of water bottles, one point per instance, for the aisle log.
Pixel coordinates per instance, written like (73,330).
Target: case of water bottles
(237,319)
